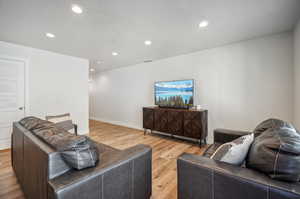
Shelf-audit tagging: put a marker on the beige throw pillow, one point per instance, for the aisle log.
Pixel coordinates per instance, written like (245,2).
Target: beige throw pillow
(234,152)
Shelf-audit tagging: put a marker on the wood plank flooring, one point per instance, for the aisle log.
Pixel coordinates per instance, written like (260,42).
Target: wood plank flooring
(164,155)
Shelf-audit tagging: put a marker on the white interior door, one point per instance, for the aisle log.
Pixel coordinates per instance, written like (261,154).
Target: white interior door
(12,94)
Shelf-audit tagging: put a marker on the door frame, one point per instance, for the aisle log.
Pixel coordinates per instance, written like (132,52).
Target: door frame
(26,63)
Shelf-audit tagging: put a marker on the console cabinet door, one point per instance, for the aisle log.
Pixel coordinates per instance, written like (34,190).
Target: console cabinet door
(148,118)
(187,123)
(161,120)
(204,125)
(192,124)
(175,122)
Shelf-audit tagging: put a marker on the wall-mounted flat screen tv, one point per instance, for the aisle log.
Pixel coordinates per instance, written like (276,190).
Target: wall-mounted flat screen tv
(177,94)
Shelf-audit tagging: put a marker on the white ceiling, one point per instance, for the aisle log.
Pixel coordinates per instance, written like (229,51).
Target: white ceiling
(124,25)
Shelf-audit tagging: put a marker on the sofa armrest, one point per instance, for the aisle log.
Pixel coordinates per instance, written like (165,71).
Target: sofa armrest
(203,178)
(125,174)
(226,135)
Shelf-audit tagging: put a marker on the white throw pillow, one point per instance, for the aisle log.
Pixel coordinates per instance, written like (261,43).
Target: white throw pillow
(234,152)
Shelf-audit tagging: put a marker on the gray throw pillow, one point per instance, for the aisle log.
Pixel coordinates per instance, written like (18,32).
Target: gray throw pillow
(81,155)
(234,152)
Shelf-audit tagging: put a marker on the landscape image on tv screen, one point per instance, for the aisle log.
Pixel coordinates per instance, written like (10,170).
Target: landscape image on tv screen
(174,93)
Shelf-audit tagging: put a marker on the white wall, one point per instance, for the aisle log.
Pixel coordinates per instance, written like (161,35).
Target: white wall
(297,76)
(240,84)
(55,83)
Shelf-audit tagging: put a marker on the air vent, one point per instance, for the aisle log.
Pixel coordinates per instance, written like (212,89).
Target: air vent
(147,61)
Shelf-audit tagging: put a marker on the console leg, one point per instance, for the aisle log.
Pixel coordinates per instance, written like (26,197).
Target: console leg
(145,131)
(200,143)
(205,141)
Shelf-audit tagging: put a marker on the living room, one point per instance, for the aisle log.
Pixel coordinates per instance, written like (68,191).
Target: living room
(164,99)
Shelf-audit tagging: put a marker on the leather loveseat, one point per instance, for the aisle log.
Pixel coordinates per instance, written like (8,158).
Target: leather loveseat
(43,174)
(200,177)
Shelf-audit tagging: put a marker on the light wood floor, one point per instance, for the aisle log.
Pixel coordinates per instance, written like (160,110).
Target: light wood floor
(164,155)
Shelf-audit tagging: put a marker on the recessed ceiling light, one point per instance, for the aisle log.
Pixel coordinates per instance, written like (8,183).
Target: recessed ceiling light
(114,53)
(77,9)
(203,24)
(148,42)
(92,69)
(50,35)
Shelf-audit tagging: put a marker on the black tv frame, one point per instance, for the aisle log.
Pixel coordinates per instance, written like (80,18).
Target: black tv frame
(176,107)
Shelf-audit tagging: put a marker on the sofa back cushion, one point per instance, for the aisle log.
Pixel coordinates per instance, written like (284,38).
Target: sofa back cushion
(270,124)
(276,152)
(77,151)
(31,123)
(58,138)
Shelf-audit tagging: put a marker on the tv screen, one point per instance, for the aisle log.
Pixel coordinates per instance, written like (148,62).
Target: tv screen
(178,94)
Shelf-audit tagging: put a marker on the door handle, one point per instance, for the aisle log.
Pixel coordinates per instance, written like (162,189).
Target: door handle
(21,108)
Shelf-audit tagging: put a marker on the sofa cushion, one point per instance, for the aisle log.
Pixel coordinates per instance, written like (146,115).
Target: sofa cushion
(32,123)
(234,152)
(77,151)
(270,124)
(276,152)
(58,138)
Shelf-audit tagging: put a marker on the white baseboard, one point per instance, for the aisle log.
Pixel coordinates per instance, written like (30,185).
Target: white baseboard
(5,144)
(119,123)
(84,132)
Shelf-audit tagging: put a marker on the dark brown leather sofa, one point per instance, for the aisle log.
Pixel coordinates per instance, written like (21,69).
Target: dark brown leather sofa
(43,174)
(200,177)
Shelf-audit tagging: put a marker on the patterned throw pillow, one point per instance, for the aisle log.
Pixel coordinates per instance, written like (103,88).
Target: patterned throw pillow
(62,121)
(59,118)
(234,152)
